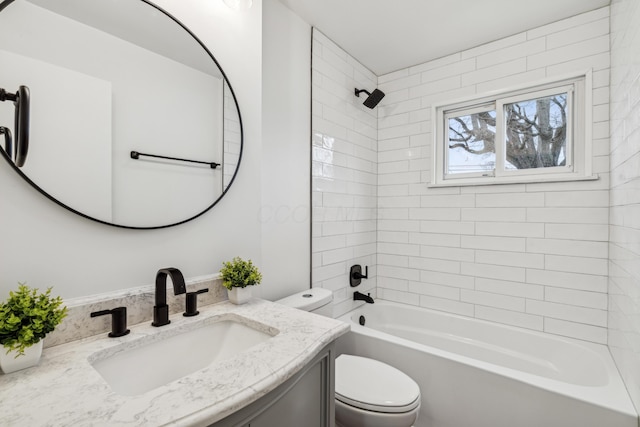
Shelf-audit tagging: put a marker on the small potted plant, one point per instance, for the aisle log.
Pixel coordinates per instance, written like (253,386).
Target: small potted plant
(237,275)
(25,318)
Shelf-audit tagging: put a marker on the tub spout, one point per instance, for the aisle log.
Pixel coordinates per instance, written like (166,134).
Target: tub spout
(358,296)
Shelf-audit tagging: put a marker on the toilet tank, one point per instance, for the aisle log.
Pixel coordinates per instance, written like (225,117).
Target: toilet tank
(315,300)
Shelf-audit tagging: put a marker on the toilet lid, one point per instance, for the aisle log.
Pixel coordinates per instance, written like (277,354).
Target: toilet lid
(374,386)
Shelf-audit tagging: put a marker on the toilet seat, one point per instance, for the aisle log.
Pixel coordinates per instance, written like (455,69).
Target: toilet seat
(372,385)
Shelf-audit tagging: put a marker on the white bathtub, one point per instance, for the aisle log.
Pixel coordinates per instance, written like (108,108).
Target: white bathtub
(480,374)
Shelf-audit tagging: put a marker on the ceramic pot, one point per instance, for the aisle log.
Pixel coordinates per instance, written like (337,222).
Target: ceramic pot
(10,363)
(239,295)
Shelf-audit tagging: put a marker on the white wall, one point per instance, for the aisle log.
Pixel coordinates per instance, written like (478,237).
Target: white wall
(285,210)
(530,255)
(343,169)
(624,247)
(46,245)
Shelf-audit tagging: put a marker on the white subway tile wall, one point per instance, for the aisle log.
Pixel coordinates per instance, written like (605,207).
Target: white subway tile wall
(529,255)
(624,247)
(344,173)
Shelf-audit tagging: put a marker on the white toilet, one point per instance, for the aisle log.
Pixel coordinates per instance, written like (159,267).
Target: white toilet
(369,393)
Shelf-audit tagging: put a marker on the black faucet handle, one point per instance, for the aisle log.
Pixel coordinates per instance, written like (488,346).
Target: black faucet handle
(359,275)
(192,303)
(118,321)
(356,276)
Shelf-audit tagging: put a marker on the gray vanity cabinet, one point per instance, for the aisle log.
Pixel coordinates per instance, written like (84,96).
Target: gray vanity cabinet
(306,399)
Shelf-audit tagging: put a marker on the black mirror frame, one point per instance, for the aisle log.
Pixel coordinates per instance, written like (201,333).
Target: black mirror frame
(4,4)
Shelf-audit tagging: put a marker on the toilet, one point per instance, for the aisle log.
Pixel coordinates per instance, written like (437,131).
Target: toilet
(369,393)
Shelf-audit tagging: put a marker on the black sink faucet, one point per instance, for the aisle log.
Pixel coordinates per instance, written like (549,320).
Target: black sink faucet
(358,296)
(161,309)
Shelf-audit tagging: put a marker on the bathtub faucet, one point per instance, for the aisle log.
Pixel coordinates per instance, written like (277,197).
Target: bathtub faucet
(358,296)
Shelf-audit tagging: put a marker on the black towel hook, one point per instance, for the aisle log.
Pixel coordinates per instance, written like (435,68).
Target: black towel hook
(21,102)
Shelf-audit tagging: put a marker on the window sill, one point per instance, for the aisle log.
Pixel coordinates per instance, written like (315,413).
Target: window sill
(520,180)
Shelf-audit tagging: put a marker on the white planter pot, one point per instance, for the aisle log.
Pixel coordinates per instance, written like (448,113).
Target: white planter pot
(239,295)
(10,363)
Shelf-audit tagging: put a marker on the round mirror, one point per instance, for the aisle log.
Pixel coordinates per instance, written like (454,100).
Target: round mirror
(132,121)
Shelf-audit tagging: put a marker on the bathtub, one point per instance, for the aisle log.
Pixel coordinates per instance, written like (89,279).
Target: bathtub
(481,374)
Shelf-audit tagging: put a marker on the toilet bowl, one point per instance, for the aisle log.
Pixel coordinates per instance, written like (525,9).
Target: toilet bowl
(373,394)
(368,393)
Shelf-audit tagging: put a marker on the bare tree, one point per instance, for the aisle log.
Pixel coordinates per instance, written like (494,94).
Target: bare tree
(535,132)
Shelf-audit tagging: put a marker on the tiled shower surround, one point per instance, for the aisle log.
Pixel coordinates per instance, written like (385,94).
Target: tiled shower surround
(530,255)
(344,173)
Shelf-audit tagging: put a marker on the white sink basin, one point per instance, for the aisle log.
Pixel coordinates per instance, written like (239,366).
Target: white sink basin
(164,357)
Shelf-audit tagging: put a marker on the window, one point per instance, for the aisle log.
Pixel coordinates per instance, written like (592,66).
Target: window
(525,135)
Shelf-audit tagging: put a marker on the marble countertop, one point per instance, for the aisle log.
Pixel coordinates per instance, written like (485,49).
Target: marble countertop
(64,389)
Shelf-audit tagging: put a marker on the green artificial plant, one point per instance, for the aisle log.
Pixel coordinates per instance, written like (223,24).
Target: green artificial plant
(238,273)
(26,317)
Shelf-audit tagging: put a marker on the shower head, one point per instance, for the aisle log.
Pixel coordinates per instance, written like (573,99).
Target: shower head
(373,99)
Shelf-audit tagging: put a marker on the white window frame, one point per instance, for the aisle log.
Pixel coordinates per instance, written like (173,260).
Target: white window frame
(578,145)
